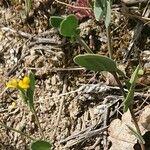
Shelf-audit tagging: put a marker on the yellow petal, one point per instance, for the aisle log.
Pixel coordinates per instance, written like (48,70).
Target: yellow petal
(12,83)
(26,80)
(23,85)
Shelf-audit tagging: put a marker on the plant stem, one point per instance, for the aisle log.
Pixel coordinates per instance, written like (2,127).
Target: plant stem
(15,130)
(119,84)
(86,47)
(38,123)
(136,126)
(109,42)
(130,109)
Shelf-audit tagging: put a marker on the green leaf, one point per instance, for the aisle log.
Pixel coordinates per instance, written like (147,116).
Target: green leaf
(96,62)
(137,135)
(102,9)
(130,96)
(30,90)
(22,93)
(135,75)
(68,26)
(121,73)
(129,99)
(127,83)
(108,14)
(55,21)
(40,145)
(99,9)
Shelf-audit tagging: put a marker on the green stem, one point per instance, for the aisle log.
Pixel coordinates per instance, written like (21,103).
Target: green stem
(109,42)
(86,47)
(119,84)
(38,123)
(130,109)
(136,126)
(15,130)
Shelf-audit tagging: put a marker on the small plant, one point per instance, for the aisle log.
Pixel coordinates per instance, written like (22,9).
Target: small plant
(102,63)
(68,27)
(102,10)
(26,88)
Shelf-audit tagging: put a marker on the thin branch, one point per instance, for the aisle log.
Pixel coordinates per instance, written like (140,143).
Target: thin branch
(119,84)
(15,130)
(38,123)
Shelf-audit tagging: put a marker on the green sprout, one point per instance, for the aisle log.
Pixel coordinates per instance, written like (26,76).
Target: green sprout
(68,27)
(26,88)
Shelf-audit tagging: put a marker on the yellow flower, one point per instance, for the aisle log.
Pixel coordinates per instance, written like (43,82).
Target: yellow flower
(24,83)
(13,83)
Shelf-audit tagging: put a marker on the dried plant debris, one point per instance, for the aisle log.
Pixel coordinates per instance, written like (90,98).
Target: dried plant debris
(34,45)
(119,133)
(144,118)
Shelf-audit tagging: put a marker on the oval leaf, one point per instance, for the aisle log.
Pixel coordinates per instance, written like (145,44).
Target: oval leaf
(55,21)
(68,26)
(40,145)
(96,62)
(98,9)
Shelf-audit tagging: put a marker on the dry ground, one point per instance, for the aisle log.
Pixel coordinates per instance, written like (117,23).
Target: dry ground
(90,101)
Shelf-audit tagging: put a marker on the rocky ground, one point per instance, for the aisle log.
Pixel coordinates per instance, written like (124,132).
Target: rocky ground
(76,107)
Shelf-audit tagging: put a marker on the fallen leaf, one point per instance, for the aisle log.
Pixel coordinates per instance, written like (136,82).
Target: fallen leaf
(121,136)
